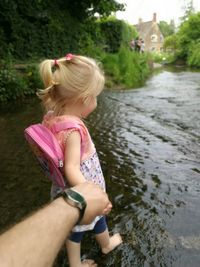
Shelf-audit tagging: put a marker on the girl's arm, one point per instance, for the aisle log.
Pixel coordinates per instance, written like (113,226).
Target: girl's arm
(72,159)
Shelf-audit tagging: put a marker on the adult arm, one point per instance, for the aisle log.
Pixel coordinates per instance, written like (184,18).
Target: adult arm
(37,240)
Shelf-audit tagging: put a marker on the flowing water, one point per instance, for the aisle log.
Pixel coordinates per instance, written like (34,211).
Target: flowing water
(148,141)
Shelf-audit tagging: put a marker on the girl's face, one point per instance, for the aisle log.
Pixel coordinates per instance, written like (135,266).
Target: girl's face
(89,106)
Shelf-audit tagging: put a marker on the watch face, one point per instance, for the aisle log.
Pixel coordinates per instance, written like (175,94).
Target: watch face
(75,199)
(74,196)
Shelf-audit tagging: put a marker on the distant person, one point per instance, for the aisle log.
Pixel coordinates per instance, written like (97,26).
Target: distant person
(72,84)
(132,44)
(142,48)
(138,45)
(36,241)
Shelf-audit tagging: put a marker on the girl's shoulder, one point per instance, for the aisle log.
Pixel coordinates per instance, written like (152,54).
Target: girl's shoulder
(64,123)
(50,119)
(61,125)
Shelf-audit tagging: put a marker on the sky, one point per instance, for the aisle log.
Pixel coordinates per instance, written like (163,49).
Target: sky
(165,10)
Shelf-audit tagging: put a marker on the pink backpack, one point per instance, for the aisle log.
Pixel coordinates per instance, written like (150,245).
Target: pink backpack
(47,149)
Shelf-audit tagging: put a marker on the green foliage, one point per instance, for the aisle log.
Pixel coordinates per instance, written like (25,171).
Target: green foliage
(188,10)
(116,33)
(163,57)
(111,64)
(16,84)
(33,79)
(90,40)
(189,32)
(167,29)
(125,69)
(128,33)
(33,30)
(170,43)
(87,8)
(103,7)
(12,84)
(194,55)
(133,67)
(128,68)
(46,28)
(158,57)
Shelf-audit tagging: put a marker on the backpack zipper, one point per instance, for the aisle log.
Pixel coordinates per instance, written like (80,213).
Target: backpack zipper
(60,163)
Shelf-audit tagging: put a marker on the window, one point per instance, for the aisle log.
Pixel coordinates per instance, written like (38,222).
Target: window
(154,38)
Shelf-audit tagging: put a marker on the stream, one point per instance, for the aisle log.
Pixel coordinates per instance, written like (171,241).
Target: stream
(148,140)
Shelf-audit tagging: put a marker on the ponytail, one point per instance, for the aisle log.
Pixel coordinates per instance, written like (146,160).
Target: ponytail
(47,95)
(68,79)
(46,72)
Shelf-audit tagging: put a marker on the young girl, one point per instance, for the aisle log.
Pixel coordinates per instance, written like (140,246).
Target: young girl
(72,84)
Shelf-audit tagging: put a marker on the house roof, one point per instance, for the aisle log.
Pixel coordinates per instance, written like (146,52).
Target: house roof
(144,28)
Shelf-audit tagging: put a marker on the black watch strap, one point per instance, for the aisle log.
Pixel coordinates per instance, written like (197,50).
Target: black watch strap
(74,199)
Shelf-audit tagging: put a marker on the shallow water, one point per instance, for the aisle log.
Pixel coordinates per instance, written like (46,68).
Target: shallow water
(148,143)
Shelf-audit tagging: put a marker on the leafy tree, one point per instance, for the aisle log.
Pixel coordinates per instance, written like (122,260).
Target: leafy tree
(48,27)
(167,29)
(189,33)
(194,55)
(188,10)
(170,43)
(116,33)
(87,8)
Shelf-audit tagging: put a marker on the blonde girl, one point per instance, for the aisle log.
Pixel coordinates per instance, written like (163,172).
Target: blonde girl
(72,84)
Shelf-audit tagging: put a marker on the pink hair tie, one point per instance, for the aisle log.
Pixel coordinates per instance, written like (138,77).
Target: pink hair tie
(69,57)
(55,62)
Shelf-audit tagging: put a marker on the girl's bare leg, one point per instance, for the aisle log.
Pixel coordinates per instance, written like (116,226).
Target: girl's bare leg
(107,242)
(74,255)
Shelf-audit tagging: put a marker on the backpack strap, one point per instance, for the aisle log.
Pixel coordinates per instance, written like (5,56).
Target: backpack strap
(67,125)
(64,125)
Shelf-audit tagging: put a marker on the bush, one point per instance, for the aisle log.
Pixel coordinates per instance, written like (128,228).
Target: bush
(12,84)
(134,68)
(115,34)
(194,55)
(16,84)
(163,58)
(111,65)
(33,79)
(130,69)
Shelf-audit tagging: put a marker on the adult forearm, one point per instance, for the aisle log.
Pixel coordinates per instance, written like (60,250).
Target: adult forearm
(40,239)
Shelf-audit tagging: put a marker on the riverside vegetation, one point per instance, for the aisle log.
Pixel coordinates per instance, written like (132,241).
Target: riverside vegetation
(124,69)
(30,33)
(183,47)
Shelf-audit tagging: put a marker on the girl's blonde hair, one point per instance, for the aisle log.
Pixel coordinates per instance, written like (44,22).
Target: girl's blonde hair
(68,79)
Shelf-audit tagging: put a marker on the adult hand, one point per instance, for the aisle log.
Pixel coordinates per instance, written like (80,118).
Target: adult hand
(97,201)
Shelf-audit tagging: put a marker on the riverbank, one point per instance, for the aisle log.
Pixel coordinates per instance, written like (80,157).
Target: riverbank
(125,69)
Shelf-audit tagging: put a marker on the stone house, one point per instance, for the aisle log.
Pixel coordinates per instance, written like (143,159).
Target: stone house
(150,33)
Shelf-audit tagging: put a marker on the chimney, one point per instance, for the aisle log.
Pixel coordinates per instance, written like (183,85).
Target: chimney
(154,17)
(139,21)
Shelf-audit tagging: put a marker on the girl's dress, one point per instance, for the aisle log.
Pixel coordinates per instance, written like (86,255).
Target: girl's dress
(90,166)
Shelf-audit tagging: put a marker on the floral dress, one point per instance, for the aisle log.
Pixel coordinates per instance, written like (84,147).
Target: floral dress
(90,166)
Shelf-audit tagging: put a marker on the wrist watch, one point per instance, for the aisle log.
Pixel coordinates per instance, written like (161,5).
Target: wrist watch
(74,199)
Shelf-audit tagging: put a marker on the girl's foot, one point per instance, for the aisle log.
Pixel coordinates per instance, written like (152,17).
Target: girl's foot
(88,263)
(115,241)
